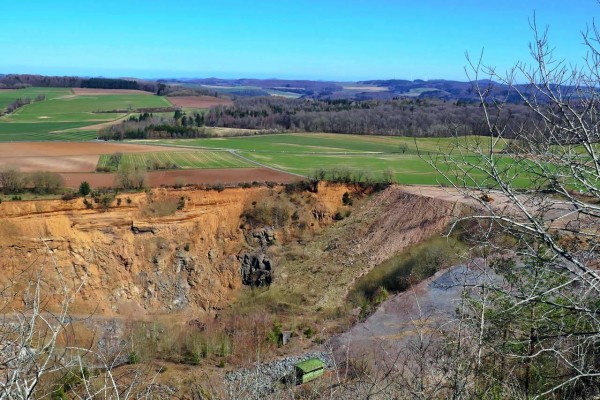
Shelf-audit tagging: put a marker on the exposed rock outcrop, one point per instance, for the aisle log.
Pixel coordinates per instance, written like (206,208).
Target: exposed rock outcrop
(256,270)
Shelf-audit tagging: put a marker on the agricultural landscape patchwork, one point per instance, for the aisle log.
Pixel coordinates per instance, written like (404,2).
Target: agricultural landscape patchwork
(190,210)
(67,115)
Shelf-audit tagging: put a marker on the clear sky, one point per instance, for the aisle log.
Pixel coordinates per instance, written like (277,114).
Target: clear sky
(312,39)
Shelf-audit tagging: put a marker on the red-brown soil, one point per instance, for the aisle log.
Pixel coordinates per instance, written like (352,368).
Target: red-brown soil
(198,101)
(99,92)
(229,176)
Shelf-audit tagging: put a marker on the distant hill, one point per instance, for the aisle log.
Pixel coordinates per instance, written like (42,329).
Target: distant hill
(362,90)
(439,89)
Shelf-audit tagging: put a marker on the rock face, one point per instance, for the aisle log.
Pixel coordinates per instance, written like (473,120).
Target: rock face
(264,237)
(256,270)
(129,261)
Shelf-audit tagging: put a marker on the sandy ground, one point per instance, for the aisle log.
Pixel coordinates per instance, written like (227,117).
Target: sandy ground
(229,176)
(65,157)
(99,92)
(198,101)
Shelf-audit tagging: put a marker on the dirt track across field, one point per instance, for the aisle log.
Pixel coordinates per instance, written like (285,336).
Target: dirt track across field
(228,176)
(198,101)
(100,92)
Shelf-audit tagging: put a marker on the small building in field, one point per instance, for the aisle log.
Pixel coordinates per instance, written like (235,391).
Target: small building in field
(308,370)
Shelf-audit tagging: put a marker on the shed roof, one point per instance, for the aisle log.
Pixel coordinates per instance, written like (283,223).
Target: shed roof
(310,365)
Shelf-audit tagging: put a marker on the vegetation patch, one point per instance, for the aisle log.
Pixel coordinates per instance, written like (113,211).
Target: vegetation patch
(402,271)
(172,160)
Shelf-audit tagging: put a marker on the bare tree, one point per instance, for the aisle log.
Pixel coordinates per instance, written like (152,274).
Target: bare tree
(38,354)
(537,187)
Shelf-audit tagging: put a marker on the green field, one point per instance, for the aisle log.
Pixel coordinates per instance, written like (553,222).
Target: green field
(311,143)
(369,156)
(64,116)
(62,111)
(183,159)
(8,96)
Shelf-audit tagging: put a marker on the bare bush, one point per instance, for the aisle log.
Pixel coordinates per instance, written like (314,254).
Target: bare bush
(12,181)
(45,182)
(534,318)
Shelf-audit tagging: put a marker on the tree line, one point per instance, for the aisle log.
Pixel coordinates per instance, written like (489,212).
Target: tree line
(413,118)
(149,126)
(397,117)
(19,81)
(13,182)
(20,102)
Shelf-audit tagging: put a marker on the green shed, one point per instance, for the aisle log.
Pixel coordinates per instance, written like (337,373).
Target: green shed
(308,370)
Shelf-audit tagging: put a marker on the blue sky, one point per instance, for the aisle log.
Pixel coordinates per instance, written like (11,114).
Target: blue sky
(321,39)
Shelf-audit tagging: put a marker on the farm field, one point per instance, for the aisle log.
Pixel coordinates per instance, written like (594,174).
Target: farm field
(321,143)
(179,159)
(7,96)
(225,176)
(64,115)
(63,157)
(370,156)
(407,169)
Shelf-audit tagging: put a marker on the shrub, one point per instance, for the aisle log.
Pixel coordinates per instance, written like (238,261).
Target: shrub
(308,332)
(133,358)
(84,188)
(105,201)
(186,247)
(131,177)
(69,196)
(191,358)
(88,204)
(275,333)
(46,182)
(389,176)
(268,213)
(12,181)
(181,203)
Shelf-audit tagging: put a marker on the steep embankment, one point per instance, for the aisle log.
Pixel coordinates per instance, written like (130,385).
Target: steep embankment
(389,222)
(143,254)
(131,258)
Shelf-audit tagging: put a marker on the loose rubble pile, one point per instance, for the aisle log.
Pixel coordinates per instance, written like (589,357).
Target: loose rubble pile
(264,378)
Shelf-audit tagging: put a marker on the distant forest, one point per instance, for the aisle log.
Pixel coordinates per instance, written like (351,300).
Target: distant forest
(161,89)
(401,117)
(25,80)
(415,118)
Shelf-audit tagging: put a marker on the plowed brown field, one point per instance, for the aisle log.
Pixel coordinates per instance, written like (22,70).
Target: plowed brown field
(65,157)
(229,176)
